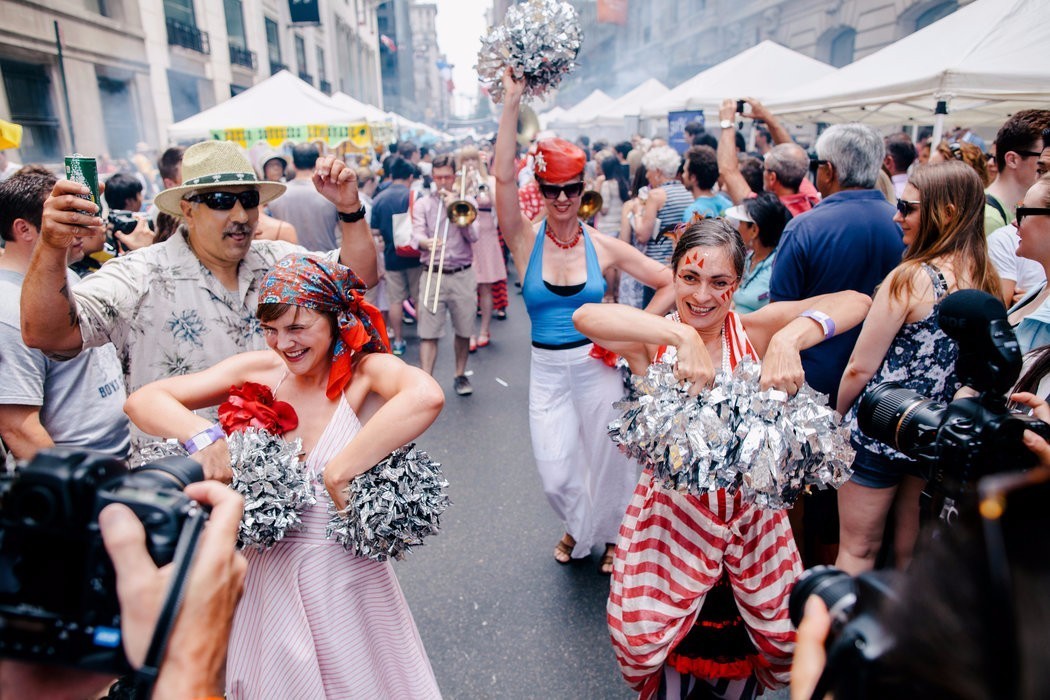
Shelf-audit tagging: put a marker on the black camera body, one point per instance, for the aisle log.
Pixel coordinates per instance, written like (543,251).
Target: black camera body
(858,643)
(957,443)
(58,601)
(125,221)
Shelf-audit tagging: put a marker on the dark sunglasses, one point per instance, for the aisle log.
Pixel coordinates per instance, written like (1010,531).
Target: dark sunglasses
(815,163)
(1027,154)
(1022,212)
(224,201)
(906,207)
(573,189)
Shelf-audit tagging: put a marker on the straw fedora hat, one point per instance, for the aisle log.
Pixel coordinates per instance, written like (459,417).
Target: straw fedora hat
(212,164)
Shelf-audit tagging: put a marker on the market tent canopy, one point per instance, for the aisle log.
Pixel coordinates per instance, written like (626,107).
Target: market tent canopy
(422,134)
(629,104)
(584,109)
(760,71)
(371,113)
(277,103)
(986,61)
(551,115)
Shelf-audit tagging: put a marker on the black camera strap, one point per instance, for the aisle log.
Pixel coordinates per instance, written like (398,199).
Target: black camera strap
(147,674)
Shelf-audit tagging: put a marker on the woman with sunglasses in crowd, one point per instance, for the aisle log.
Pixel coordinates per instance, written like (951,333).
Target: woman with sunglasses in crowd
(760,221)
(1032,314)
(941,214)
(562,263)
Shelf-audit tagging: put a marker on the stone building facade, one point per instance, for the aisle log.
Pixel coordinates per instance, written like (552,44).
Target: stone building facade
(134,67)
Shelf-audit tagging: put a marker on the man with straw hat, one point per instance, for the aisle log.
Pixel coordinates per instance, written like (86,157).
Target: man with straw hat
(182,305)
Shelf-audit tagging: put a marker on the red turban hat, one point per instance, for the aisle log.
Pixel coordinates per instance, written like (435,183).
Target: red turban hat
(557,160)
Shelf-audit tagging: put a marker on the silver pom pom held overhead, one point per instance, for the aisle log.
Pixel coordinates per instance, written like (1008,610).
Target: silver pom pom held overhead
(538,41)
(391,507)
(734,436)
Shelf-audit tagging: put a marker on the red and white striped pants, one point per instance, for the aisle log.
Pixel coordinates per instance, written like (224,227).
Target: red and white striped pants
(672,549)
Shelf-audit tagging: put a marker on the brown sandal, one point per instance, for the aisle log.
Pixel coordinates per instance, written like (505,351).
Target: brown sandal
(563,550)
(606,564)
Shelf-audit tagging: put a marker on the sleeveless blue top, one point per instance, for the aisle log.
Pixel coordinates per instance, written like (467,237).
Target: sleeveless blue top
(550,313)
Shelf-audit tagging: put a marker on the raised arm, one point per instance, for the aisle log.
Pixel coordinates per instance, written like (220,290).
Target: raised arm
(412,401)
(779,333)
(728,161)
(517,230)
(338,183)
(50,320)
(637,335)
(777,131)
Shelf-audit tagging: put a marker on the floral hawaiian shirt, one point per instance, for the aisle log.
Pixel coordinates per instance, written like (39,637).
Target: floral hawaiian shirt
(168,315)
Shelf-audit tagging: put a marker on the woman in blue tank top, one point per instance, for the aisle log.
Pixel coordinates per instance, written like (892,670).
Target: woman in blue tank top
(586,479)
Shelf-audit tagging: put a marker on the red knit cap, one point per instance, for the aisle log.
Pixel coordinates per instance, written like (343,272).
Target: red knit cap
(557,160)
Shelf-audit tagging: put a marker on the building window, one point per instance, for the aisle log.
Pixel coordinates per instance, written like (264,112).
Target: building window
(842,47)
(300,59)
(28,90)
(273,47)
(180,11)
(935,13)
(235,23)
(185,95)
(118,116)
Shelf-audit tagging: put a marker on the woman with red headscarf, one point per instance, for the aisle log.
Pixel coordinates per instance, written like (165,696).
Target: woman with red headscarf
(562,263)
(315,620)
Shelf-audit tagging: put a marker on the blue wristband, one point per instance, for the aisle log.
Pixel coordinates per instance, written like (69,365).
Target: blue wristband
(823,319)
(198,442)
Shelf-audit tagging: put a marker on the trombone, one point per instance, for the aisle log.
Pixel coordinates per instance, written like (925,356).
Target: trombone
(461,213)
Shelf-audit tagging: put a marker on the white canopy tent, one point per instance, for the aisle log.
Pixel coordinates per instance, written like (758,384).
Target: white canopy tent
(282,100)
(985,61)
(620,118)
(567,125)
(551,115)
(755,72)
(371,113)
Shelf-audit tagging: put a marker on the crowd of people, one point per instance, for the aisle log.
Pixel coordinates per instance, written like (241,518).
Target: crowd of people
(300,270)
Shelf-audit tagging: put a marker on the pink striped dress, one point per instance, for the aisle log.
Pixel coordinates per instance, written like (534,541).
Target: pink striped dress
(318,622)
(673,549)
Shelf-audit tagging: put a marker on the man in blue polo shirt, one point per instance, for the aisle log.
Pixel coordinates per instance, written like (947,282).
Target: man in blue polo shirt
(848,241)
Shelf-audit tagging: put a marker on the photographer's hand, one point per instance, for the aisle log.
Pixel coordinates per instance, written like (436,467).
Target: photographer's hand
(195,660)
(141,237)
(1036,444)
(810,656)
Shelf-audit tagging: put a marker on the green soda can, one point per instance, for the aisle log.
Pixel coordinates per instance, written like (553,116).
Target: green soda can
(84,171)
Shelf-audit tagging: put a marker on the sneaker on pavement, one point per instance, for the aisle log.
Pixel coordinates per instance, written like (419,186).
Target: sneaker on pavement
(398,347)
(462,386)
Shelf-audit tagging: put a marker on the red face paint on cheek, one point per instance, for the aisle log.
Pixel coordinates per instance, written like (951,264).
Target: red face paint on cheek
(727,295)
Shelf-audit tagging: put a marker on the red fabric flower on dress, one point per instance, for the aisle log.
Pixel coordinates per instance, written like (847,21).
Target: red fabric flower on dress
(252,405)
(607,356)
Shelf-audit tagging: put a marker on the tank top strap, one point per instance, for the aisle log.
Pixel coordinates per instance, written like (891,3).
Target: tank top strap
(280,382)
(940,285)
(594,267)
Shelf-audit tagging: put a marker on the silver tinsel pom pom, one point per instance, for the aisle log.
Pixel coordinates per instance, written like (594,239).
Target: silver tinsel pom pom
(391,507)
(734,436)
(268,472)
(538,40)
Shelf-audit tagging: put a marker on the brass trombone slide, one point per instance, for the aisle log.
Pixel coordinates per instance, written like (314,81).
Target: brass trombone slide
(461,213)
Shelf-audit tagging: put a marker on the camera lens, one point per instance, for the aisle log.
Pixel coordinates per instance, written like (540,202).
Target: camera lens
(899,417)
(169,472)
(834,586)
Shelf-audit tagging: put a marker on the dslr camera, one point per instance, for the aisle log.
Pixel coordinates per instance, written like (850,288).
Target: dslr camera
(58,600)
(970,437)
(857,644)
(124,221)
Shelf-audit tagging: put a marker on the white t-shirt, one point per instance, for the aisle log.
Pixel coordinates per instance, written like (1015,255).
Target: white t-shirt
(1002,249)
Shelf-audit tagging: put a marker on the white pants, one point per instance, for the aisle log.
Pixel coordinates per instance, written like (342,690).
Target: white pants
(588,481)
